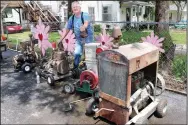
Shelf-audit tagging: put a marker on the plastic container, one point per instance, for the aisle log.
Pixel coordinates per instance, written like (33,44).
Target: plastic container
(38,79)
(92,65)
(90,51)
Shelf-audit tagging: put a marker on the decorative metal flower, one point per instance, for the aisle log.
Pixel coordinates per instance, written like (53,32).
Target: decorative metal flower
(41,33)
(69,41)
(105,39)
(154,39)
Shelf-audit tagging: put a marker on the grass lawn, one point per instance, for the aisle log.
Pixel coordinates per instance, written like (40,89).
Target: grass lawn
(53,36)
(178,37)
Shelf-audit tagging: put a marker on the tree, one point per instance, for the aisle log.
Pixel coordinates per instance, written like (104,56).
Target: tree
(180,7)
(69,7)
(162,30)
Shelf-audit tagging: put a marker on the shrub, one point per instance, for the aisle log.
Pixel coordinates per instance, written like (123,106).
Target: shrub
(97,28)
(179,66)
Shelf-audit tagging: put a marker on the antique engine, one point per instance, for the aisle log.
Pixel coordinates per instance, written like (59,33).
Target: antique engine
(127,80)
(57,67)
(28,57)
(58,64)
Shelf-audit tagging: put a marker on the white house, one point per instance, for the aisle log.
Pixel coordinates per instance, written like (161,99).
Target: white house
(173,13)
(12,15)
(109,11)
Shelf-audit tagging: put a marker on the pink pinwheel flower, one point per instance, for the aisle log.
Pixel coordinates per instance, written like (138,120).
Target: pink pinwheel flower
(41,33)
(69,41)
(154,39)
(105,39)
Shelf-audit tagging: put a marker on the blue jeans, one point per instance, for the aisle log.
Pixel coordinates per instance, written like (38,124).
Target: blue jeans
(77,54)
(79,49)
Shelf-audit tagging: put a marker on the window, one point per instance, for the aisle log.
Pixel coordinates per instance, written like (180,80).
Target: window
(91,11)
(24,16)
(8,13)
(65,15)
(107,13)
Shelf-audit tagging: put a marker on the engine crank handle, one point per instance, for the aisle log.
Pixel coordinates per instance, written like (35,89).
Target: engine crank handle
(79,100)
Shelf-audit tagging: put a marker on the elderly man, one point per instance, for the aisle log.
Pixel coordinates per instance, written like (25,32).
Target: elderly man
(79,22)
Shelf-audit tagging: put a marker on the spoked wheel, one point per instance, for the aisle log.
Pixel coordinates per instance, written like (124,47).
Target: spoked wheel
(69,88)
(50,80)
(26,67)
(92,106)
(160,85)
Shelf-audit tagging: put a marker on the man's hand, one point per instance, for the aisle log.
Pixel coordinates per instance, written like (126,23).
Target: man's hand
(82,28)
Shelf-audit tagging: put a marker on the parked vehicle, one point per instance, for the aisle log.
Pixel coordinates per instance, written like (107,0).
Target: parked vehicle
(12,27)
(181,25)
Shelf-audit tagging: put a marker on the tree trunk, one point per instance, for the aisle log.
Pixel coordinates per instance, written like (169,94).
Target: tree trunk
(69,8)
(162,16)
(178,14)
(162,30)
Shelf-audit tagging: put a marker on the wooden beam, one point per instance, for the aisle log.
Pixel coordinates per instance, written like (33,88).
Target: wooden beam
(112,99)
(16,10)
(4,8)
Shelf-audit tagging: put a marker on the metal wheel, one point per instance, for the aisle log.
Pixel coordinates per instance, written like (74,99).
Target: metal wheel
(50,80)
(26,67)
(92,106)
(161,108)
(68,88)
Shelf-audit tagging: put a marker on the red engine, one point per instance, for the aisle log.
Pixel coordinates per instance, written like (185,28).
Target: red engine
(90,77)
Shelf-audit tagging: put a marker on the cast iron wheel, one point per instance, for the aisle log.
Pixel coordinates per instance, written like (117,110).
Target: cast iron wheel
(92,106)
(26,67)
(50,80)
(161,108)
(69,88)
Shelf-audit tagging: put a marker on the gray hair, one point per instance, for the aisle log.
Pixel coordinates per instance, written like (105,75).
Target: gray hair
(75,2)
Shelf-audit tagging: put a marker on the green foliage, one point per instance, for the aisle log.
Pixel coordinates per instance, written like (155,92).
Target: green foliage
(129,37)
(168,42)
(97,28)
(54,37)
(179,66)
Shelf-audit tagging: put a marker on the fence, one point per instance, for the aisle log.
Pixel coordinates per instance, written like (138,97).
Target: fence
(172,63)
